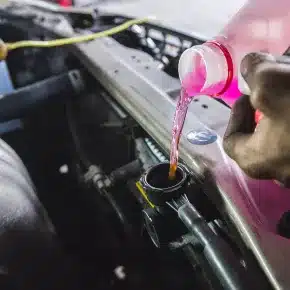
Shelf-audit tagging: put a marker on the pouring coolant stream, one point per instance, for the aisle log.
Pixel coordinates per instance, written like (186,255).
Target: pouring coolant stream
(213,68)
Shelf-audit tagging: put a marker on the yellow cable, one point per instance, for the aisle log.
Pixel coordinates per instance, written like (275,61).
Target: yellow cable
(76,39)
(142,191)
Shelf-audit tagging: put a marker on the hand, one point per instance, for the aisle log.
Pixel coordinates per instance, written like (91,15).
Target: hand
(262,152)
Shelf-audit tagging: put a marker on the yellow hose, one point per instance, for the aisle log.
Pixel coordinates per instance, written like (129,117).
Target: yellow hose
(6,47)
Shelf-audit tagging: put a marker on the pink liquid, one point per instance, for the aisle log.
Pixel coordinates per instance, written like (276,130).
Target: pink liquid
(193,85)
(178,122)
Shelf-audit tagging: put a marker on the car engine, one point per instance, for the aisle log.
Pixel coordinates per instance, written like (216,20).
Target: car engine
(92,124)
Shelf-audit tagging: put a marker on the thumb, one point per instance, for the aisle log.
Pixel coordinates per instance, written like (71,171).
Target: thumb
(251,63)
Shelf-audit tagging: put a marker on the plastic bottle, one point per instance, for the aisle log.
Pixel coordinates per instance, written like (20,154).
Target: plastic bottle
(213,67)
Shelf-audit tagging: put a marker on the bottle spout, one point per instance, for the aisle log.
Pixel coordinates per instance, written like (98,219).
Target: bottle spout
(192,70)
(204,69)
(186,64)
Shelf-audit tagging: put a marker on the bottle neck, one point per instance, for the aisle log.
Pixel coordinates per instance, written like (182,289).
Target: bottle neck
(229,64)
(206,69)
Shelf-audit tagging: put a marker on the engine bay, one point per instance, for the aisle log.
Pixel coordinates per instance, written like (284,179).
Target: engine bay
(89,120)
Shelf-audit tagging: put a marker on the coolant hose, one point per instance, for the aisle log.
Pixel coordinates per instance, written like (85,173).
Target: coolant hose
(226,265)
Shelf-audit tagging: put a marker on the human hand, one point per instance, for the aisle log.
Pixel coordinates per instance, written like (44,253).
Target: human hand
(262,151)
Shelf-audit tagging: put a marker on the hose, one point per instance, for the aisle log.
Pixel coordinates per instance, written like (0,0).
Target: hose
(6,47)
(127,171)
(222,259)
(85,162)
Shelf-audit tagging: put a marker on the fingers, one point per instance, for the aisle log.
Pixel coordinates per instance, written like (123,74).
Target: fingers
(283,182)
(241,123)
(241,142)
(250,64)
(242,119)
(241,126)
(282,175)
(269,81)
(258,150)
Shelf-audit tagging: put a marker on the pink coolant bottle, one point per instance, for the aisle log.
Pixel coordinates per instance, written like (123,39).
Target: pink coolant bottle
(213,67)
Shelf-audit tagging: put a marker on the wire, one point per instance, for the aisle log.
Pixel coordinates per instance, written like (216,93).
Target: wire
(76,39)
(142,191)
